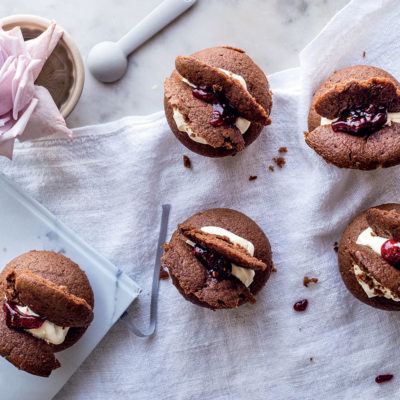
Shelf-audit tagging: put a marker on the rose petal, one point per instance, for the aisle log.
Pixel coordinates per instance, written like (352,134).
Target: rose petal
(46,119)
(7,73)
(16,129)
(41,47)
(4,119)
(23,84)
(12,41)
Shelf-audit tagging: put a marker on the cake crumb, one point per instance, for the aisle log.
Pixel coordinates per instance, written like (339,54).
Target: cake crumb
(271,168)
(186,162)
(154,87)
(308,280)
(252,177)
(279,161)
(273,269)
(335,247)
(163,274)
(282,150)
(364,54)
(311,359)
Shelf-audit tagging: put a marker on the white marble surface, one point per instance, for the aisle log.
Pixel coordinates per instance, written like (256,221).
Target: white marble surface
(271,31)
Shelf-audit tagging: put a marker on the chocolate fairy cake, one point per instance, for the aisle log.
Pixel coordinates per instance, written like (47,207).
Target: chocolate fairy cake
(218,258)
(217,101)
(354,119)
(47,304)
(369,257)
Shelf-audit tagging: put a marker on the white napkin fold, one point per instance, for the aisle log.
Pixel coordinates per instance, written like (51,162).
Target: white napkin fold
(109,185)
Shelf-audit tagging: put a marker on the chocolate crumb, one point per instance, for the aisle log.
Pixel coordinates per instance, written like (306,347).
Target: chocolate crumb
(279,161)
(364,54)
(335,247)
(308,280)
(186,162)
(163,274)
(282,150)
(271,168)
(311,358)
(273,269)
(252,177)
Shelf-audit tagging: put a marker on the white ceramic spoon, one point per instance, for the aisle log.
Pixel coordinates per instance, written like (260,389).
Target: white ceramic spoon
(108,61)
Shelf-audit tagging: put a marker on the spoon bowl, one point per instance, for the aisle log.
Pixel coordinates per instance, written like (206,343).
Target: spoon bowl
(107,62)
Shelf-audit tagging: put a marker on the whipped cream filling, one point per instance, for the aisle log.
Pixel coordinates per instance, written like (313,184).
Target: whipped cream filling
(49,332)
(183,126)
(239,78)
(245,275)
(241,123)
(392,117)
(370,285)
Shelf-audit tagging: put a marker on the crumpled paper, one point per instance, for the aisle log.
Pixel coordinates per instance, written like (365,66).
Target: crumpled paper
(27,111)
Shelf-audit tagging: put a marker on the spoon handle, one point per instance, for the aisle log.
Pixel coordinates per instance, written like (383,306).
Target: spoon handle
(161,16)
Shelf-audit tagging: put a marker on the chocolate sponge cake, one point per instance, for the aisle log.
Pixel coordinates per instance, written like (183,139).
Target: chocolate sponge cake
(218,258)
(369,257)
(217,101)
(354,119)
(47,304)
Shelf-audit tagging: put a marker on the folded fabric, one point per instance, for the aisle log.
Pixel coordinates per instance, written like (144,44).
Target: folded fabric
(27,111)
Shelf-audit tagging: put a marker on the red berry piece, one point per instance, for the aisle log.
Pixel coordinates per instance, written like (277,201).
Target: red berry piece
(301,305)
(383,378)
(361,121)
(15,319)
(223,113)
(205,93)
(390,252)
(217,265)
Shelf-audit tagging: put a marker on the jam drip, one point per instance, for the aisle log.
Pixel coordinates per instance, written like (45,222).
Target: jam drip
(15,319)
(301,305)
(361,121)
(383,378)
(223,113)
(217,266)
(390,252)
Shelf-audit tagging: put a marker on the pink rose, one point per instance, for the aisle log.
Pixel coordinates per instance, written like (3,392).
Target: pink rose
(27,111)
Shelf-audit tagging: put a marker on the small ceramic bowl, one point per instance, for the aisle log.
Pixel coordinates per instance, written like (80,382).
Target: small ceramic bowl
(63,74)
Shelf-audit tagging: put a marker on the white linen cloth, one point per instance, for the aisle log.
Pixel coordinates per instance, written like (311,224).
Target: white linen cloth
(109,184)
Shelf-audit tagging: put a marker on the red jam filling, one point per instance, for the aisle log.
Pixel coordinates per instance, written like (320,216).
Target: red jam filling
(15,319)
(217,265)
(301,305)
(223,113)
(361,121)
(383,378)
(390,252)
